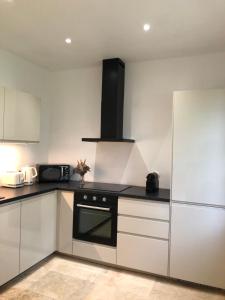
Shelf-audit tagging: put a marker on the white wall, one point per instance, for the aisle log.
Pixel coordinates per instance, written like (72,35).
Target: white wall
(17,73)
(76,98)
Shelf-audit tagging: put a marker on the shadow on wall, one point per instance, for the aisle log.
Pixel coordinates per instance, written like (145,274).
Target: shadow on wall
(119,163)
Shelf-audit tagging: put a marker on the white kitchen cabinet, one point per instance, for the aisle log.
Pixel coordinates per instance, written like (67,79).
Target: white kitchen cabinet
(141,226)
(94,251)
(1,112)
(198,174)
(143,208)
(21,116)
(9,241)
(38,229)
(142,253)
(143,233)
(198,244)
(65,222)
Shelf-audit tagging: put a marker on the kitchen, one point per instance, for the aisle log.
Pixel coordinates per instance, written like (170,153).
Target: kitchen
(70,92)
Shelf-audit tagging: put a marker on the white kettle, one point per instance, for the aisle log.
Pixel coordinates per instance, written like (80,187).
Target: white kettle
(29,173)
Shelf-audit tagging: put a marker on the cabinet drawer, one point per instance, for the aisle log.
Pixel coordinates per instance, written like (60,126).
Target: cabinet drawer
(143,208)
(147,227)
(94,251)
(142,253)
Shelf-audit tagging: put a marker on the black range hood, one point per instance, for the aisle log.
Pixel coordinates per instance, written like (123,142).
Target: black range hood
(112,102)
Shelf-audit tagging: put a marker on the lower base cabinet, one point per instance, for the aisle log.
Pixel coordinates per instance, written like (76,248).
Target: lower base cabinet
(94,251)
(9,241)
(142,253)
(38,229)
(198,244)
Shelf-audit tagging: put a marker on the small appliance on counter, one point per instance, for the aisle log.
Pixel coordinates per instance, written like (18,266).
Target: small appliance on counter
(29,173)
(54,173)
(12,179)
(152,182)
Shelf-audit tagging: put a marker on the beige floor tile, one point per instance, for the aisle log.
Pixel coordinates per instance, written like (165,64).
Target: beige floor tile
(18,294)
(59,286)
(179,291)
(77,269)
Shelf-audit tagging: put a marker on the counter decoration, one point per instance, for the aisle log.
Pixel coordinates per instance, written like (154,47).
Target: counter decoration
(82,168)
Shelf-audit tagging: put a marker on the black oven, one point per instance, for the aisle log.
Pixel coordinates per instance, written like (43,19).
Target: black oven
(95,218)
(54,173)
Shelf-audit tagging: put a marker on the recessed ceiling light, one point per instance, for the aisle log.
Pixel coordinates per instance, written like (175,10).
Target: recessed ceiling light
(68,40)
(146,27)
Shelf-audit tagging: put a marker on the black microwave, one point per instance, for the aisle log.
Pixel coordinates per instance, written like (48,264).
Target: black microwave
(54,173)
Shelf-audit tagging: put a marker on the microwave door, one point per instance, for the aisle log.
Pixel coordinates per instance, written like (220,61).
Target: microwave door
(51,174)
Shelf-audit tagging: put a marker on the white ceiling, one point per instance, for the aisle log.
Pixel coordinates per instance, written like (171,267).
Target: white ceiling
(36,29)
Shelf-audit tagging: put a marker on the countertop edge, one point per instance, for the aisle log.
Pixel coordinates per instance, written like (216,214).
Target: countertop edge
(57,187)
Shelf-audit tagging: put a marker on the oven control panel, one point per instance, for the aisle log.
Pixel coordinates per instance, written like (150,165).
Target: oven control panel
(102,199)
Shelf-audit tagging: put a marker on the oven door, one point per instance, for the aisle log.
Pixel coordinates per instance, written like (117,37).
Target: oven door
(96,224)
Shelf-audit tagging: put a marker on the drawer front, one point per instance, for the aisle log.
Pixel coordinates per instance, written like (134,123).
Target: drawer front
(143,208)
(146,227)
(142,253)
(94,251)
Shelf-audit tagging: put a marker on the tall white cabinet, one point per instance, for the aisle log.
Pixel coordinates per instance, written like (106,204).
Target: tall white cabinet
(38,229)
(198,188)
(9,241)
(1,112)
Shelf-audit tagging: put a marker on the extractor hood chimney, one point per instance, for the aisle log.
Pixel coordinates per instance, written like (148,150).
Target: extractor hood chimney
(112,102)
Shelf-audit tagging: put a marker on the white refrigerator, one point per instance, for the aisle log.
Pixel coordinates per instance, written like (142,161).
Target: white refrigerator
(197,246)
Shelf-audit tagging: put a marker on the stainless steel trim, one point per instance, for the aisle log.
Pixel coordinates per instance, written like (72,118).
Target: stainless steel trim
(144,236)
(93,207)
(62,171)
(198,204)
(145,218)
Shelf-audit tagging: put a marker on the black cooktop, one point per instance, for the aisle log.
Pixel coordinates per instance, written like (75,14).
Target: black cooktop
(108,187)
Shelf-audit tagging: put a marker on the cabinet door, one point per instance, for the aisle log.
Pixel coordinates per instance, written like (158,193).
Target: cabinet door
(65,222)
(142,253)
(1,112)
(199,147)
(21,116)
(38,229)
(9,241)
(198,244)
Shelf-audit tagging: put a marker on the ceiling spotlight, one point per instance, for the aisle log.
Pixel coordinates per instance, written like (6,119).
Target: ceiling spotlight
(146,27)
(68,41)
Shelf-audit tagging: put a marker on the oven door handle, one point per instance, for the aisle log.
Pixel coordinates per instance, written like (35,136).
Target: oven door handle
(93,207)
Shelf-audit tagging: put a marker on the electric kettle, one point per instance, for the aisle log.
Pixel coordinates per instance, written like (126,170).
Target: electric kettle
(30,173)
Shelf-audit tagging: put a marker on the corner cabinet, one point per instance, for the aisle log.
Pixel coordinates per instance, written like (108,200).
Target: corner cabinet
(65,222)
(9,241)
(20,116)
(38,229)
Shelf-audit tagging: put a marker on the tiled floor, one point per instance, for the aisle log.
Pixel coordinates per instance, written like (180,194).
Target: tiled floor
(65,278)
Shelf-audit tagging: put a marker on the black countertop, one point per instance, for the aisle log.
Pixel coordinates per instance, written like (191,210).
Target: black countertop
(11,194)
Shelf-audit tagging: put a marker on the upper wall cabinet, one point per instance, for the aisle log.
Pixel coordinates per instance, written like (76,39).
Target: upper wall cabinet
(21,116)
(1,111)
